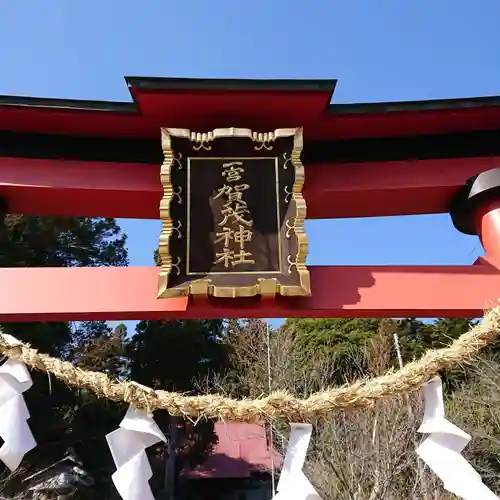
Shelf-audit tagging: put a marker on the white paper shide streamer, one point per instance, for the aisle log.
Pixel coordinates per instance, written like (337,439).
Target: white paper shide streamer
(441,451)
(14,429)
(293,483)
(127,444)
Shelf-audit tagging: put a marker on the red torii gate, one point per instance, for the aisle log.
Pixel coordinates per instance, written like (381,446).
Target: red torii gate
(91,158)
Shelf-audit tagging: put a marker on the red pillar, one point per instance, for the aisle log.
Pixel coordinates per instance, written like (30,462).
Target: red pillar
(475,210)
(487,222)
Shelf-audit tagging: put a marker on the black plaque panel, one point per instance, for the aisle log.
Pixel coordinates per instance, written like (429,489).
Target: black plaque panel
(232,214)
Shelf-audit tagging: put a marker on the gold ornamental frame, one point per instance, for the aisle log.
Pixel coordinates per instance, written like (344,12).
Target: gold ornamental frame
(268,287)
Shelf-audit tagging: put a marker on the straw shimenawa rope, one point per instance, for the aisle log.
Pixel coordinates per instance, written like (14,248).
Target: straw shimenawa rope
(278,405)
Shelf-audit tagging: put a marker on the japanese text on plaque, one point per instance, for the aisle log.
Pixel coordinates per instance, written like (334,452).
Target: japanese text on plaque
(235,229)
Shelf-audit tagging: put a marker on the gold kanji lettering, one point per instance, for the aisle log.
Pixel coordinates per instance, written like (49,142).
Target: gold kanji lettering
(242,236)
(226,236)
(224,257)
(232,192)
(231,171)
(234,212)
(237,213)
(242,258)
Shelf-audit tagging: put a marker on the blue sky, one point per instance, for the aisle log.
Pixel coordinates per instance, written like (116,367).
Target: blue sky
(385,50)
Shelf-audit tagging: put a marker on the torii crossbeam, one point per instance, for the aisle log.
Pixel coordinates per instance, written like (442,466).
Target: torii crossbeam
(86,158)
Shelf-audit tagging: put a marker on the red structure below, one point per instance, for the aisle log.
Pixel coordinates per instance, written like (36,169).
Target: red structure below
(242,449)
(59,294)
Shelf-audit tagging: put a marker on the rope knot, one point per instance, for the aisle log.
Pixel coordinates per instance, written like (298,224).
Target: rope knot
(140,397)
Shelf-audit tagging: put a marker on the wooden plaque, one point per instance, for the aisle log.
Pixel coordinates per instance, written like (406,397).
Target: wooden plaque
(233,214)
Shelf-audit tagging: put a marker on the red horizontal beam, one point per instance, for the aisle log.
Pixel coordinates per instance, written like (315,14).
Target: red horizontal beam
(133,190)
(81,188)
(127,293)
(377,189)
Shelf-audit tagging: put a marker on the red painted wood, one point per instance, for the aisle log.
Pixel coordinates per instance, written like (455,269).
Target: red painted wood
(203,110)
(72,293)
(198,110)
(488,228)
(81,188)
(58,294)
(133,190)
(375,189)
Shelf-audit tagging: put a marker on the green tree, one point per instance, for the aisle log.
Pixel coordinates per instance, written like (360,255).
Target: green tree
(57,419)
(342,341)
(417,337)
(171,354)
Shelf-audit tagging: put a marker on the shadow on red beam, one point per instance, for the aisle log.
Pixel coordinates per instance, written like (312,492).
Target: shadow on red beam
(128,293)
(133,190)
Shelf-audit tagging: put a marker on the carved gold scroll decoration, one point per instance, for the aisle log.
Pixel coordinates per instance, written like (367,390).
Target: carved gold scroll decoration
(166,221)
